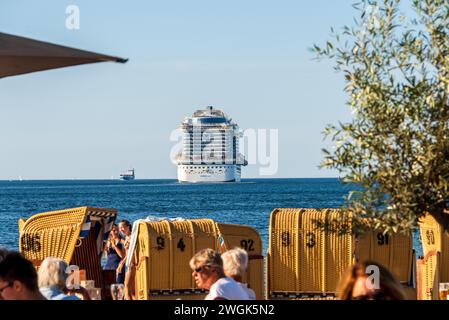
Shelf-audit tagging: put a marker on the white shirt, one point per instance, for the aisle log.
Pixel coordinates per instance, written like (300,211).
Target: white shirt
(54,293)
(250,292)
(227,288)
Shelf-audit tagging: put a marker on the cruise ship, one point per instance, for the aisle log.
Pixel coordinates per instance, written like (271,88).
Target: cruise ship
(210,148)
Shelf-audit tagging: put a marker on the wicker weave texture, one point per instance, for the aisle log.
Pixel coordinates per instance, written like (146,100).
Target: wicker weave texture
(428,276)
(395,252)
(237,236)
(283,254)
(308,253)
(165,249)
(51,234)
(337,250)
(55,233)
(434,238)
(304,257)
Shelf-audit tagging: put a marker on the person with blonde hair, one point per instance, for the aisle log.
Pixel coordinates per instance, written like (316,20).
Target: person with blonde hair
(52,281)
(235,263)
(208,273)
(369,281)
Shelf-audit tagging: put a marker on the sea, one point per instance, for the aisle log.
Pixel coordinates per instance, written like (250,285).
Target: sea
(248,202)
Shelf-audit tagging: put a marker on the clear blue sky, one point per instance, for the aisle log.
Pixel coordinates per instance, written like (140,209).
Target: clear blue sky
(250,58)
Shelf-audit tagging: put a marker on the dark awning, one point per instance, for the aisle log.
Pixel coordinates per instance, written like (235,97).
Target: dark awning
(20,55)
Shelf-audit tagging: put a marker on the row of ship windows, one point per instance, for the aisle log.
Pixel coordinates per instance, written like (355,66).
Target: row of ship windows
(208,167)
(209,145)
(208,129)
(205,134)
(219,150)
(210,139)
(207,142)
(212,143)
(215,136)
(210,136)
(209,148)
(194,150)
(228,132)
(199,135)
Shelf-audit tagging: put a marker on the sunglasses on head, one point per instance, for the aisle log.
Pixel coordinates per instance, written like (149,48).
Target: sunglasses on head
(201,268)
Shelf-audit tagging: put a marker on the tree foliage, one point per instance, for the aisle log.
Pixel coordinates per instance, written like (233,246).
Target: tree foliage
(396,146)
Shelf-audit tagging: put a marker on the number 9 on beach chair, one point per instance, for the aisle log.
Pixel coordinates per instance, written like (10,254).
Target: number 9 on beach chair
(75,235)
(309,250)
(164,248)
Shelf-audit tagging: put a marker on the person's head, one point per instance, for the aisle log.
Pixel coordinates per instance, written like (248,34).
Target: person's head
(360,283)
(18,278)
(52,273)
(114,233)
(207,268)
(125,227)
(235,262)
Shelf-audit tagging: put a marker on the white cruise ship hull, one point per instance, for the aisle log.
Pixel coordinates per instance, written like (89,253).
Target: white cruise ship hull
(209,173)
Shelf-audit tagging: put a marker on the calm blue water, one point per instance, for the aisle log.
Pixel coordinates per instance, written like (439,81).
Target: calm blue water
(249,202)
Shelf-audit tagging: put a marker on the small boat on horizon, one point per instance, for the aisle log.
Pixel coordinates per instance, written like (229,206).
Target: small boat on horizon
(128,175)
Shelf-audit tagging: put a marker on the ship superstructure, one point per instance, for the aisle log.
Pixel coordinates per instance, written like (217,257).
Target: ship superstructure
(210,148)
(128,175)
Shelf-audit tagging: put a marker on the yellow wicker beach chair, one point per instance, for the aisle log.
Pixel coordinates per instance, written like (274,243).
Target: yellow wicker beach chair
(428,276)
(433,238)
(395,252)
(306,262)
(246,238)
(164,249)
(435,242)
(75,235)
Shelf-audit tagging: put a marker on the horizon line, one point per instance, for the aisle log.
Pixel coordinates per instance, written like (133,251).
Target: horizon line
(147,179)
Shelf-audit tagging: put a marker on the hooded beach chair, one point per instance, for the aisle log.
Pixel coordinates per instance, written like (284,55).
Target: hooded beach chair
(308,253)
(75,235)
(164,248)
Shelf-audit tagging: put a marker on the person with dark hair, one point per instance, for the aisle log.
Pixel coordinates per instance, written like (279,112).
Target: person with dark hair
(114,252)
(369,281)
(125,228)
(18,279)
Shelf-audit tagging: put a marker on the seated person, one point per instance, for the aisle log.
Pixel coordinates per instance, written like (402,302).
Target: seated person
(356,283)
(235,263)
(52,277)
(18,279)
(208,273)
